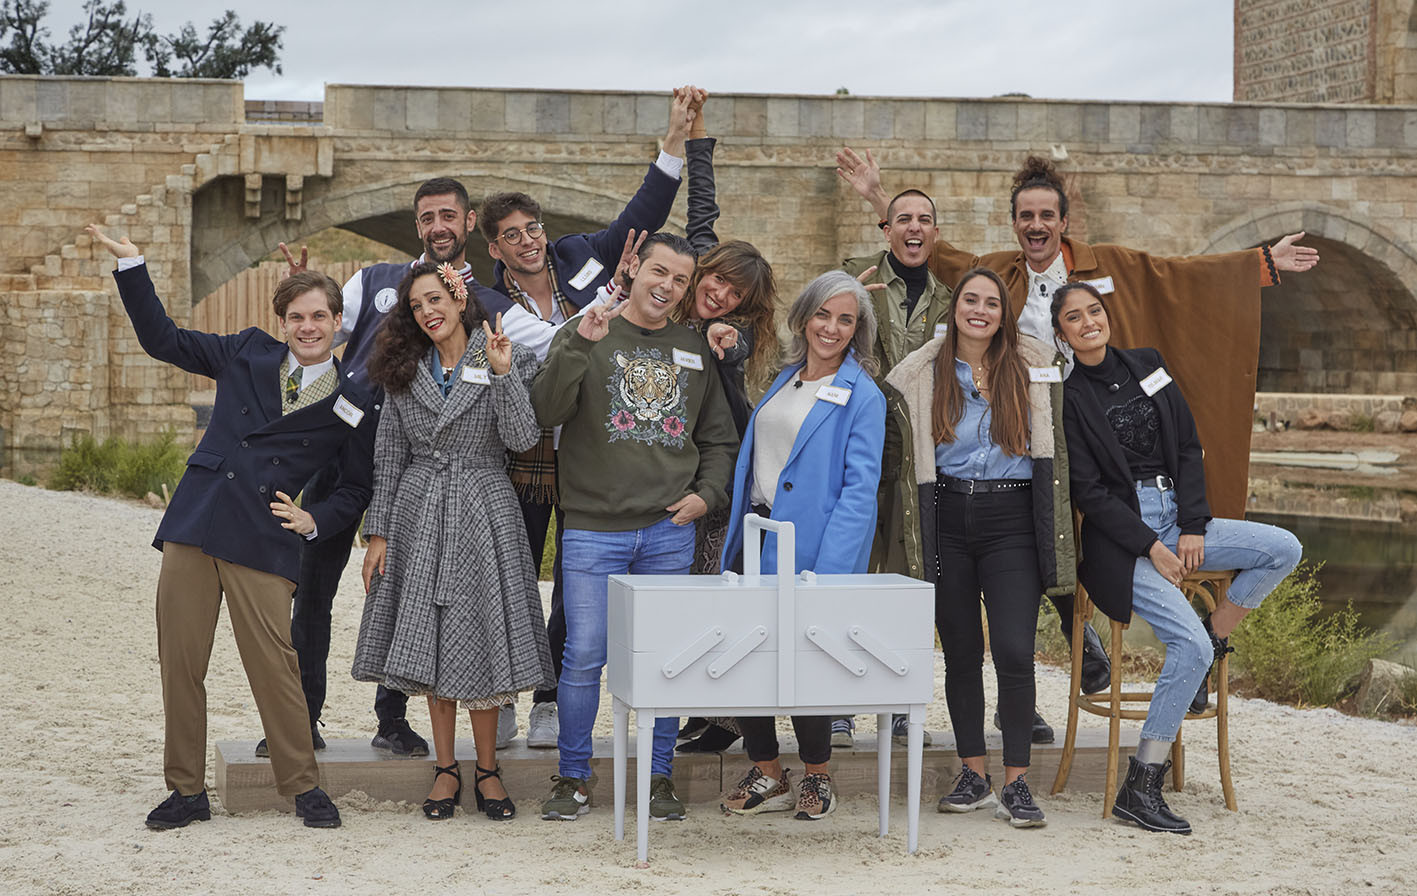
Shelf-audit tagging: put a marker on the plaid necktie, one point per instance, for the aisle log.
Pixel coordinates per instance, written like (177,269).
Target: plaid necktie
(292,386)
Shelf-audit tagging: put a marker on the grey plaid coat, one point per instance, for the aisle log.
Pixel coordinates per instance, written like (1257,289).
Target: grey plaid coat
(457,613)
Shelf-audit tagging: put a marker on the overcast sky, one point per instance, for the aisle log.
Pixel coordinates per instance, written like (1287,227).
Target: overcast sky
(1103,49)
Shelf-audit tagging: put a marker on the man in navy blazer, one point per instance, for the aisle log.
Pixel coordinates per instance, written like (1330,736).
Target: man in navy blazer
(282,412)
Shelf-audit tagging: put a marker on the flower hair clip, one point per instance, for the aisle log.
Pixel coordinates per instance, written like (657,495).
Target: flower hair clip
(453,280)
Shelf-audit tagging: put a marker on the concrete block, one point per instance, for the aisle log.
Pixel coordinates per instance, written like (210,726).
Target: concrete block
(908,119)
(652,115)
(389,113)
(1185,124)
(1330,127)
(750,116)
(972,121)
(553,114)
(1361,128)
(848,118)
(940,120)
(1272,127)
(879,120)
(521,112)
(1095,127)
(1064,122)
(1212,125)
(18,103)
(1124,124)
(782,117)
(421,110)
(1243,127)
(1153,124)
(51,100)
(1001,121)
(489,111)
(588,113)
(814,117)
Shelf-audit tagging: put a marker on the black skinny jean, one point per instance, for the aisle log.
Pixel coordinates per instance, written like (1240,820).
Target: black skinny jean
(537,518)
(814,738)
(986,542)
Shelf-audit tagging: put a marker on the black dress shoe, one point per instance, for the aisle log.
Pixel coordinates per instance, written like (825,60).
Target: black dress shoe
(1042,732)
(1140,799)
(1096,668)
(1221,646)
(315,807)
(715,739)
(263,751)
(178,811)
(397,737)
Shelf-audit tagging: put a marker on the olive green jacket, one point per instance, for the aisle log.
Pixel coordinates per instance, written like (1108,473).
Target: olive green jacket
(905,526)
(897,337)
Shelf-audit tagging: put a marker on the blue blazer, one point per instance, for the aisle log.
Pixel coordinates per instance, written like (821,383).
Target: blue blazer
(648,210)
(828,487)
(250,451)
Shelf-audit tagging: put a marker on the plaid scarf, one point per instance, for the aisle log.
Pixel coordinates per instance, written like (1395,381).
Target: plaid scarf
(533,472)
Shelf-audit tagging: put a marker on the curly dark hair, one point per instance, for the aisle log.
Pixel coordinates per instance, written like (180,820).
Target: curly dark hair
(402,345)
(1038,172)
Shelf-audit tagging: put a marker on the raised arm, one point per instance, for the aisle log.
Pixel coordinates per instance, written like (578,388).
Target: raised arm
(703,195)
(864,175)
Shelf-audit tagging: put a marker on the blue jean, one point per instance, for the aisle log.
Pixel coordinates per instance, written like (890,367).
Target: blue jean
(589,558)
(1262,556)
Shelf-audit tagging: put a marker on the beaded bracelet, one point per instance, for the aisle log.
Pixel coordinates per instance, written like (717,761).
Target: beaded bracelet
(1269,260)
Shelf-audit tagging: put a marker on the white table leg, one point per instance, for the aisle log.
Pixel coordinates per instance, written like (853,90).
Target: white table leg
(644,747)
(883,769)
(622,750)
(912,783)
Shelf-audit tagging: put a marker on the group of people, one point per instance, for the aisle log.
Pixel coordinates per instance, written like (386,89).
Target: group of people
(932,413)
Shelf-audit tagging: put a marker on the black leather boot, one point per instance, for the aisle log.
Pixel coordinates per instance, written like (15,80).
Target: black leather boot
(1096,668)
(1221,647)
(1140,799)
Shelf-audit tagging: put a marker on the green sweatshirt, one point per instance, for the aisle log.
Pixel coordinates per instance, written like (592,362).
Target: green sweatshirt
(644,422)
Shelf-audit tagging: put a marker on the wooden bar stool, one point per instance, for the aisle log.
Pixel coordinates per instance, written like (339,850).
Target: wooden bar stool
(1210,587)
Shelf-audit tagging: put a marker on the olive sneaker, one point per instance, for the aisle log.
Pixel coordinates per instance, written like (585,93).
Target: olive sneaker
(664,805)
(569,800)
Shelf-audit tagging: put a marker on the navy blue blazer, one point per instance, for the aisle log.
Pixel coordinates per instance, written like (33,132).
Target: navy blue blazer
(828,488)
(648,210)
(250,451)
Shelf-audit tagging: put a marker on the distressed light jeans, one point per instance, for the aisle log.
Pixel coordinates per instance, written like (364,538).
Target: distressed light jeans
(589,558)
(1262,556)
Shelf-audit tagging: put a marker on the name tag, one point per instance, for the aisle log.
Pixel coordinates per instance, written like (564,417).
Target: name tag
(1153,383)
(834,394)
(586,274)
(478,375)
(1044,375)
(1102,285)
(688,360)
(346,411)
(941,329)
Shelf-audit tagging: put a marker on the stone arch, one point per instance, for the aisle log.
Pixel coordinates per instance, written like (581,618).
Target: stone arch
(1350,325)
(225,242)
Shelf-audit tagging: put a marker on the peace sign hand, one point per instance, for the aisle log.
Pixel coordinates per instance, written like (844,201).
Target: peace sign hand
(296,267)
(632,248)
(499,348)
(595,320)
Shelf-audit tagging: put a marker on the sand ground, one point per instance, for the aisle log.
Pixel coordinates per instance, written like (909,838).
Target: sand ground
(1325,799)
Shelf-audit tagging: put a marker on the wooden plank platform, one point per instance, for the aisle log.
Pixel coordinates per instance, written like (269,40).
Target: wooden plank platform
(245,784)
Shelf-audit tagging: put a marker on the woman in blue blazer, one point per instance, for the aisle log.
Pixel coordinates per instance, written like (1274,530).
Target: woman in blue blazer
(812,456)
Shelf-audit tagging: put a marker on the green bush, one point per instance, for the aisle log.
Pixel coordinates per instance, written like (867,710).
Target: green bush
(1288,654)
(118,467)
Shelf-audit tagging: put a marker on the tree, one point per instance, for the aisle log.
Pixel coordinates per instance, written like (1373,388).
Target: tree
(107,43)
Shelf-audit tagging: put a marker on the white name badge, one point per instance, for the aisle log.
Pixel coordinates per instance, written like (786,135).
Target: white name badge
(1044,375)
(1153,383)
(385,299)
(1102,285)
(476,375)
(688,360)
(346,411)
(834,394)
(586,274)
(941,329)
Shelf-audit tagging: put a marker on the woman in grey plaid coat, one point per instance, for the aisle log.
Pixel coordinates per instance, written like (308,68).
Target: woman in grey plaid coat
(453,612)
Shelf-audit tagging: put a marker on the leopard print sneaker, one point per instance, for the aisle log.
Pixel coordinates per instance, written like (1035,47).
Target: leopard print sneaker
(816,798)
(759,793)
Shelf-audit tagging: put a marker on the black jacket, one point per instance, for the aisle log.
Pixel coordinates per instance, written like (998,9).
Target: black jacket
(1113,532)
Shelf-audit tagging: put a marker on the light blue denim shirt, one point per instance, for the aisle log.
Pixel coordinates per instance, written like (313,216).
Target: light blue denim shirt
(972,455)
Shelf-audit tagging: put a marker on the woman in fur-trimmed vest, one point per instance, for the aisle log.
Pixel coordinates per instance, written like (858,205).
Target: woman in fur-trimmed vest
(979,504)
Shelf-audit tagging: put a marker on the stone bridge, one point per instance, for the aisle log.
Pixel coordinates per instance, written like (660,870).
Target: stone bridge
(206,191)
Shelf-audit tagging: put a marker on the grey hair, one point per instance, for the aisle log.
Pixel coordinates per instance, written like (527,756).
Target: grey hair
(816,294)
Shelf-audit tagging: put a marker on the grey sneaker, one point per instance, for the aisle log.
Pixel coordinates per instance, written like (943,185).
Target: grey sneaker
(758,792)
(1016,804)
(664,805)
(841,733)
(900,732)
(569,800)
(815,797)
(970,792)
(506,725)
(543,726)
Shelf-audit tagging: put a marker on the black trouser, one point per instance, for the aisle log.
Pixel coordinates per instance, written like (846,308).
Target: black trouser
(814,738)
(321,564)
(986,542)
(537,518)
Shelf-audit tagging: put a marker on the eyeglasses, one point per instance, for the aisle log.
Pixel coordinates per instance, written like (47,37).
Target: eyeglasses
(513,237)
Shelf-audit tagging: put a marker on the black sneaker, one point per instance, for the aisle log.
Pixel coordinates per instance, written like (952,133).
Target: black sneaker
(1139,800)
(1016,804)
(315,807)
(178,811)
(264,752)
(397,737)
(1042,732)
(970,792)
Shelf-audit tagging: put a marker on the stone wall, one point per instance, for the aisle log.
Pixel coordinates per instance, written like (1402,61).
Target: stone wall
(174,165)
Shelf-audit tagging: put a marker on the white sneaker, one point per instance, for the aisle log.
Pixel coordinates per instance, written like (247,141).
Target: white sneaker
(506,725)
(543,726)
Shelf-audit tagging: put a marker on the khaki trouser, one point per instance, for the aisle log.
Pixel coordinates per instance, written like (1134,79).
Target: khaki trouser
(189,592)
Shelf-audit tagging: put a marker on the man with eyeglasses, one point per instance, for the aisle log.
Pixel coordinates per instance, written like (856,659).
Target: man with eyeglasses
(552,281)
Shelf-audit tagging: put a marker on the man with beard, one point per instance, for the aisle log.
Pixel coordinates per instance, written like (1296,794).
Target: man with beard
(443,216)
